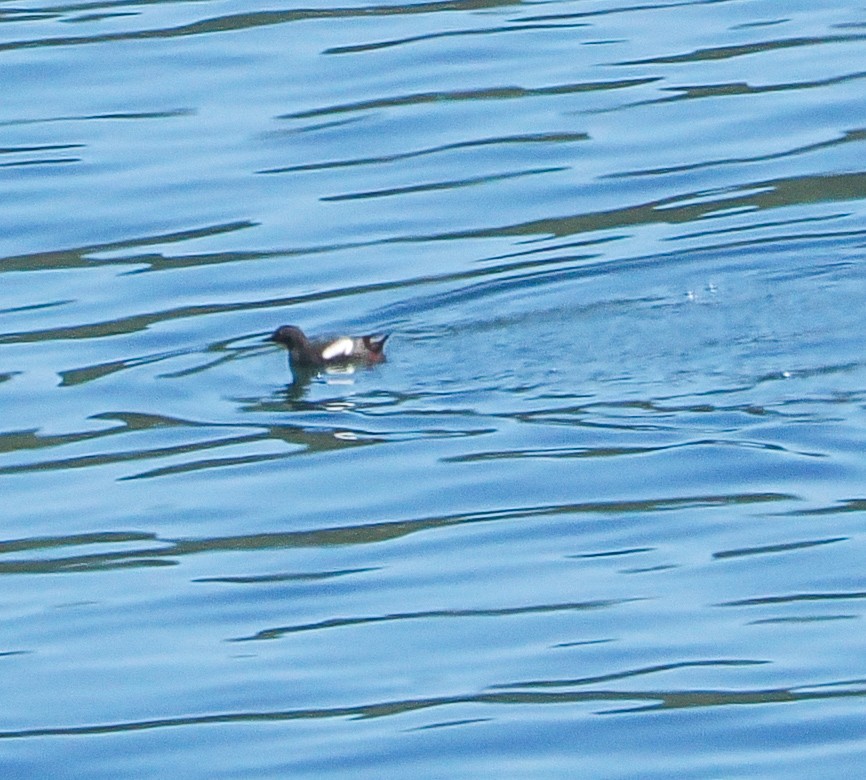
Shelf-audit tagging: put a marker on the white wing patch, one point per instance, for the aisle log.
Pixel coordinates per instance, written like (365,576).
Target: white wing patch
(338,348)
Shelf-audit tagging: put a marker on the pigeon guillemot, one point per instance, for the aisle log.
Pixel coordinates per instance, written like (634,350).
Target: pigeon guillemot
(314,354)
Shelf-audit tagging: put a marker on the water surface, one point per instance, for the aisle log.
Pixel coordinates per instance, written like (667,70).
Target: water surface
(598,515)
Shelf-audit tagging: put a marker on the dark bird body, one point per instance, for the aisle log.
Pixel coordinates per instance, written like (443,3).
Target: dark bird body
(307,354)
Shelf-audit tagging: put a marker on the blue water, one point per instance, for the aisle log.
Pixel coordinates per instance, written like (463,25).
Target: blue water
(600,514)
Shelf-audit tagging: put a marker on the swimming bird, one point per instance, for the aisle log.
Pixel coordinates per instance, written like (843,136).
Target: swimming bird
(310,354)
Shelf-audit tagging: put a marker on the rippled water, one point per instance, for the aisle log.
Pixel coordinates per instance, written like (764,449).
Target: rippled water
(599,515)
